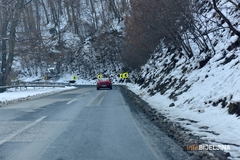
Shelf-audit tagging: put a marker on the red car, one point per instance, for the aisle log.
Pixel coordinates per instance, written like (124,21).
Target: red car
(104,83)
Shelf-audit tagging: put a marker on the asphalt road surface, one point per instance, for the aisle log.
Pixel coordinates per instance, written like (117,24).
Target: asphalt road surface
(82,124)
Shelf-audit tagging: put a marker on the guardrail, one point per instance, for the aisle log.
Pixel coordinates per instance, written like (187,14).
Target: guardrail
(25,85)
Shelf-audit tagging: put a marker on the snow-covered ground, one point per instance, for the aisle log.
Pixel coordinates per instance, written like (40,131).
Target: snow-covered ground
(213,124)
(203,107)
(13,95)
(19,94)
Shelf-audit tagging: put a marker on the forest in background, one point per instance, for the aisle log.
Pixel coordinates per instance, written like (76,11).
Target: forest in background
(38,34)
(82,36)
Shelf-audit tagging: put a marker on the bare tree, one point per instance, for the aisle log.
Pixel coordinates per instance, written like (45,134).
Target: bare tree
(32,30)
(232,28)
(235,4)
(11,18)
(155,20)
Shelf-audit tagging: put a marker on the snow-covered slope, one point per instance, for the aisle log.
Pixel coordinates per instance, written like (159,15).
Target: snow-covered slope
(202,92)
(198,99)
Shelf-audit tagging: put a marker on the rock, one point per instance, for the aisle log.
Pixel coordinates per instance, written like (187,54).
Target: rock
(172,105)
(201,110)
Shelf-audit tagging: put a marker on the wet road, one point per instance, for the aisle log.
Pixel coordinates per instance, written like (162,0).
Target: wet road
(84,124)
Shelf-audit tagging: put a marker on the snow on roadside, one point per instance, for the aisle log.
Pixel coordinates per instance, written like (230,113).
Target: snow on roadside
(212,124)
(15,95)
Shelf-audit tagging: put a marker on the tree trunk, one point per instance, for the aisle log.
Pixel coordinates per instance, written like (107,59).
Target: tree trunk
(232,28)
(4,48)
(7,56)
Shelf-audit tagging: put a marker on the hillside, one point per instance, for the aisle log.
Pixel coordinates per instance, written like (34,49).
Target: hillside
(202,92)
(206,79)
